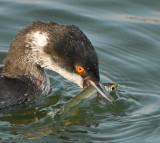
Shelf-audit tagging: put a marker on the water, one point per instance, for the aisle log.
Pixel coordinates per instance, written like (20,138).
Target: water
(126,37)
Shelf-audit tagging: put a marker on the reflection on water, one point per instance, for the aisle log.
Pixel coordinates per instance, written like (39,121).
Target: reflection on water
(126,37)
(143,19)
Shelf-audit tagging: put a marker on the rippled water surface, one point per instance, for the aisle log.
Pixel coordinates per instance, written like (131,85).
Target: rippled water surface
(126,36)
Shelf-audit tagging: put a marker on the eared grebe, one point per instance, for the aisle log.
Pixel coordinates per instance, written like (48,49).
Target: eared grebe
(61,48)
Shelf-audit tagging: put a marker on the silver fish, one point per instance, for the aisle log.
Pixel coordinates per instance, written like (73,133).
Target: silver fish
(87,94)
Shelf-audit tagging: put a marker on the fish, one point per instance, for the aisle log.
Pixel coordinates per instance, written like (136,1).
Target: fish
(87,94)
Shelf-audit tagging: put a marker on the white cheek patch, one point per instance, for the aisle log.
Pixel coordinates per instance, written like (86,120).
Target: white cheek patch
(45,61)
(37,38)
(67,75)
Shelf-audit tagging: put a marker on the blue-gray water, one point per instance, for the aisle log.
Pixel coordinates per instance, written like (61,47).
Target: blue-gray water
(126,36)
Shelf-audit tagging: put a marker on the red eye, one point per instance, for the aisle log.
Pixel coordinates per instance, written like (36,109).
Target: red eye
(80,69)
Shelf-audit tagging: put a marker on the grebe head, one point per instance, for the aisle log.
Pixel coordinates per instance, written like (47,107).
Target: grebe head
(64,49)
